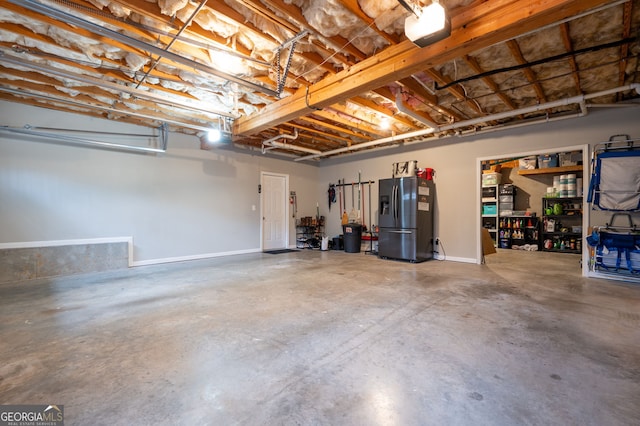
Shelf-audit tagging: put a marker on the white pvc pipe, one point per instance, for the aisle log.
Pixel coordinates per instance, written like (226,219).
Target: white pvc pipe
(273,143)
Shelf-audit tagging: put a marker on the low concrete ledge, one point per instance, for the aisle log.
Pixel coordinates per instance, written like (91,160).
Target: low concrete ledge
(44,259)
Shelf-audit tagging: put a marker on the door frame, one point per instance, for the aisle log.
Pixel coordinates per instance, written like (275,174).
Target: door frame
(285,209)
(586,174)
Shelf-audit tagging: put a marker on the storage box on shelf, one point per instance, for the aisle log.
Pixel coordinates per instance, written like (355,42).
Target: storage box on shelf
(562,224)
(491,179)
(547,160)
(489,210)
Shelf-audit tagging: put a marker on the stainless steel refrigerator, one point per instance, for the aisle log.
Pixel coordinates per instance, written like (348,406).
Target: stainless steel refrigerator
(406,219)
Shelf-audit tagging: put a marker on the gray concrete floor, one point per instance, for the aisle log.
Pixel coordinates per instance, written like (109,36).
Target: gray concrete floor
(333,338)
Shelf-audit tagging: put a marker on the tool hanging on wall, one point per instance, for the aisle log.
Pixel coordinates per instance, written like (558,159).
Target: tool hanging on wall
(345,216)
(340,196)
(294,202)
(364,223)
(353,215)
(332,195)
(359,195)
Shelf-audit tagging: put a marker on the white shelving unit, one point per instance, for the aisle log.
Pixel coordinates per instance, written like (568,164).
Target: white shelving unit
(490,207)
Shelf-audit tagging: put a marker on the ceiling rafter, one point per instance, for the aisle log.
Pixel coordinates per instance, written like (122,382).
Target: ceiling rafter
(568,45)
(514,48)
(404,59)
(354,7)
(624,49)
(458,92)
(366,103)
(322,135)
(488,81)
(335,95)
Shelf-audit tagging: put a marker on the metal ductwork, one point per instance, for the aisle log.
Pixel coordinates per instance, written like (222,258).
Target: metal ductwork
(406,110)
(35,131)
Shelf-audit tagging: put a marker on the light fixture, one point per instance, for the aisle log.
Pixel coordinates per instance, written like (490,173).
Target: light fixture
(218,135)
(213,135)
(427,25)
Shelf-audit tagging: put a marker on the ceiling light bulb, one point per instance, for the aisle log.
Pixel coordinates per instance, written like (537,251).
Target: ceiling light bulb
(213,135)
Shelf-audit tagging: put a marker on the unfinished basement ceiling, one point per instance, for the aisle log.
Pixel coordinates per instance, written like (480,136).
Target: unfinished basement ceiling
(312,78)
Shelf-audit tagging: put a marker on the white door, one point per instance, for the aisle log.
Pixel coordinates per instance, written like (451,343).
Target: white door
(275,207)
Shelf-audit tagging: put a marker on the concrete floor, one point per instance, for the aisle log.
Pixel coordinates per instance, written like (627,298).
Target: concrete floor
(327,338)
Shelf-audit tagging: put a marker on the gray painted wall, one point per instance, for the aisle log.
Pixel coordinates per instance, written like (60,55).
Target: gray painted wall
(185,203)
(190,203)
(455,161)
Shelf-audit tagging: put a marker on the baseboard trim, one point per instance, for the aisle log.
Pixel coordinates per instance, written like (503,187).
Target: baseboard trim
(455,259)
(193,257)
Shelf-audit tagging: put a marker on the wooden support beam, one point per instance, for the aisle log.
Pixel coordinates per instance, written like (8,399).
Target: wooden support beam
(501,21)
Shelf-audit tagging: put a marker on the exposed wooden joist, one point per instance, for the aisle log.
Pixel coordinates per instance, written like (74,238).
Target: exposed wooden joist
(468,34)
(624,49)
(455,90)
(367,103)
(354,7)
(514,48)
(341,125)
(568,45)
(322,135)
(337,129)
(475,66)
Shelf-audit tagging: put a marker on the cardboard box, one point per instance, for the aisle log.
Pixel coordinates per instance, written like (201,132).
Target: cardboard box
(488,245)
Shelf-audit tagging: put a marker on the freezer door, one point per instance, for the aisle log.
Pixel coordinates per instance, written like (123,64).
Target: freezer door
(395,243)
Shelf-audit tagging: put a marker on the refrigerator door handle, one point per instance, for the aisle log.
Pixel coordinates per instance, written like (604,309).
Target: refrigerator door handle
(400,232)
(395,203)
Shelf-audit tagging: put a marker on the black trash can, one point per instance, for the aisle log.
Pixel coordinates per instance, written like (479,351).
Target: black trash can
(352,237)
(338,243)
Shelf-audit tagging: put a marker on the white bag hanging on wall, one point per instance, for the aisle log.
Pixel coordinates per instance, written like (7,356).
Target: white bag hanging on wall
(405,169)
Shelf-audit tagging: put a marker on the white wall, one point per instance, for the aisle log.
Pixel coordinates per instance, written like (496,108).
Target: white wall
(186,203)
(455,161)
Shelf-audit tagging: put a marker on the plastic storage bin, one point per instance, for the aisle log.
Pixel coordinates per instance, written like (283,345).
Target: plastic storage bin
(489,179)
(489,209)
